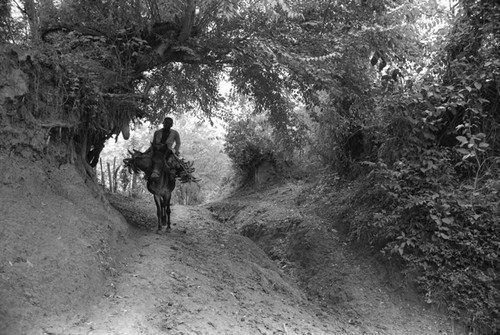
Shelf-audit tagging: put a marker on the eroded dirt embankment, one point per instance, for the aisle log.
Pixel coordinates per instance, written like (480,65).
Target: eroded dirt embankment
(204,277)
(296,229)
(57,243)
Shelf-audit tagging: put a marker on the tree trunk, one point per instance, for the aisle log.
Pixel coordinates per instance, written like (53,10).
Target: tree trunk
(188,21)
(109,176)
(31,12)
(113,185)
(115,176)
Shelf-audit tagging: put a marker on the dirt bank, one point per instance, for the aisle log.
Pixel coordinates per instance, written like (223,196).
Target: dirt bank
(298,231)
(57,243)
(70,265)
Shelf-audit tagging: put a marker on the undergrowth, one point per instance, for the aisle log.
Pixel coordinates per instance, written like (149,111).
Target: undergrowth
(445,231)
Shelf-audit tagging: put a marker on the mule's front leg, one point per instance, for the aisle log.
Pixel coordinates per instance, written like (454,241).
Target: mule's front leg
(158,212)
(168,215)
(165,219)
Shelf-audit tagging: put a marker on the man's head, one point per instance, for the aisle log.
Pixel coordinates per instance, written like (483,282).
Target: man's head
(168,122)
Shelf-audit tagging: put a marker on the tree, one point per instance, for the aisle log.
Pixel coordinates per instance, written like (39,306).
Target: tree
(118,61)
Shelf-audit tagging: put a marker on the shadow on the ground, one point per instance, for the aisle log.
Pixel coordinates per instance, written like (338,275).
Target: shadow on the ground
(133,210)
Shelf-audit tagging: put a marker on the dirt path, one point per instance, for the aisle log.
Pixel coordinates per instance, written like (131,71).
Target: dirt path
(202,278)
(195,280)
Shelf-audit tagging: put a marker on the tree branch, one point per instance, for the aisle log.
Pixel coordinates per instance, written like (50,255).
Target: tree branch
(153,10)
(134,96)
(57,124)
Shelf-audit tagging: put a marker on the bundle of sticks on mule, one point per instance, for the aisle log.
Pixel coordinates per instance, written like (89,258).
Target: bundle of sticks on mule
(186,172)
(140,161)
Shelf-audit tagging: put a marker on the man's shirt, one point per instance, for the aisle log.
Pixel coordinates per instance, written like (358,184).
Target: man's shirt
(173,136)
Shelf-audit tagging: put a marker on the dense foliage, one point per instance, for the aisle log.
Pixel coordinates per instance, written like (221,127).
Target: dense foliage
(251,139)
(436,177)
(248,144)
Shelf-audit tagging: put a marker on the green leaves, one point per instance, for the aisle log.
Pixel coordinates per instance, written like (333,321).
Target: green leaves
(248,143)
(436,230)
(472,145)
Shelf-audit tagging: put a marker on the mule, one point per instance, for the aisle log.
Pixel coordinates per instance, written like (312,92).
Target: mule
(160,179)
(161,184)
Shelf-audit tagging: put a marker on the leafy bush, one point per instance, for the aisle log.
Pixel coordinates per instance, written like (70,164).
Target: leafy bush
(248,144)
(436,182)
(445,229)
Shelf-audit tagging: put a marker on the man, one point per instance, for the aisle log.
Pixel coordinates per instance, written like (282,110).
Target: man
(168,136)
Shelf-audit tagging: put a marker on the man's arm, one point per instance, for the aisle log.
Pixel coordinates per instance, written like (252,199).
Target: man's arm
(177,140)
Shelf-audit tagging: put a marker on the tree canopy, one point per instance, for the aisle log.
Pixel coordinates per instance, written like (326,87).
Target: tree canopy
(117,61)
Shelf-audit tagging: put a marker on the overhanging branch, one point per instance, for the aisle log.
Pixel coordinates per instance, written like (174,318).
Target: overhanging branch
(124,96)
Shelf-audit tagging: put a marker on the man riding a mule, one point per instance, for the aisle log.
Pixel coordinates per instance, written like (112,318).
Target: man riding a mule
(161,166)
(168,136)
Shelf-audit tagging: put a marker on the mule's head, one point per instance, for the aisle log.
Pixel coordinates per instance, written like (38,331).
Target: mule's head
(160,154)
(137,162)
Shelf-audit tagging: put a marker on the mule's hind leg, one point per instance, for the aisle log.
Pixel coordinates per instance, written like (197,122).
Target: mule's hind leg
(167,207)
(168,215)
